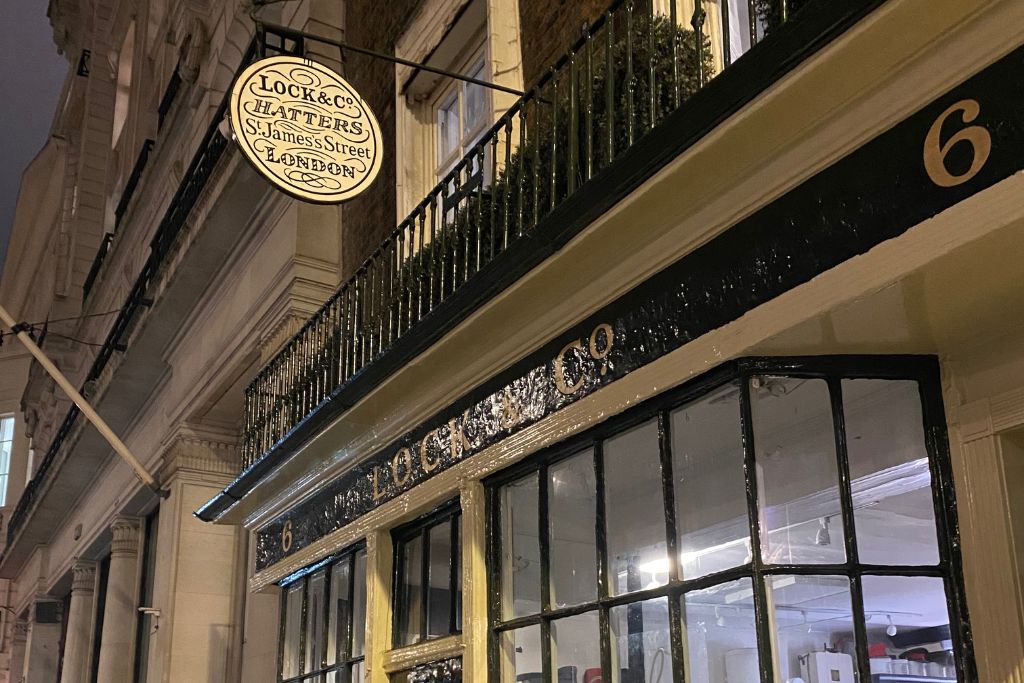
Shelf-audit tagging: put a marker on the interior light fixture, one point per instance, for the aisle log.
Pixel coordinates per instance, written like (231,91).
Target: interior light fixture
(719,619)
(891,629)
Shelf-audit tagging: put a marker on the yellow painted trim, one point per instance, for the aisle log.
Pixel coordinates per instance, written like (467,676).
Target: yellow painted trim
(409,656)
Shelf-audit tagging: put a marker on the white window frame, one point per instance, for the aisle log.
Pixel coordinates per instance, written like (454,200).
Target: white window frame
(438,28)
(458,90)
(7,422)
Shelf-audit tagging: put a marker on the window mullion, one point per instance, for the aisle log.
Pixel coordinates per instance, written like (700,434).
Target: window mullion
(600,537)
(762,615)
(849,529)
(675,612)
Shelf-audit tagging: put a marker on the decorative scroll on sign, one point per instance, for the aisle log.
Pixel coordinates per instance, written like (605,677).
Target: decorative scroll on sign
(305,129)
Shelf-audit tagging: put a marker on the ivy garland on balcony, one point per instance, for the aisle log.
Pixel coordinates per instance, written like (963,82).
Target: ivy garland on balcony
(535,177)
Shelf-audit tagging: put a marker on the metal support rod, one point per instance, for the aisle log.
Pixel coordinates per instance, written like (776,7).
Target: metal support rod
(105,431)
(285,30)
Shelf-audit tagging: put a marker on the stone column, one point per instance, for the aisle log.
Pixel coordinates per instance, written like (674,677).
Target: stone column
(19,633)
(78,640)
(119,613)
(42,647)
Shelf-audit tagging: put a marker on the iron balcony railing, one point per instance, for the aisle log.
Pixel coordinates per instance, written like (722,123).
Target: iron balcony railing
(638,63)
(122,206)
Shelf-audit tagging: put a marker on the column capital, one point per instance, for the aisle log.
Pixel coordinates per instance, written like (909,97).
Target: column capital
(126,536)
(83,576)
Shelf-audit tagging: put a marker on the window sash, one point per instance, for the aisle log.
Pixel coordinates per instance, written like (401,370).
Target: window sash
(833,371)
(420,530)
(346,660)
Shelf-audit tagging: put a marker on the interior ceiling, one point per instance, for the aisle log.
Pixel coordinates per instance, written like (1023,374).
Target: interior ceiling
(954,304)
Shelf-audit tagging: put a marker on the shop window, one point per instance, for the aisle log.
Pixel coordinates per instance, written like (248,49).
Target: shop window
(323,620)
(6,446)
(774,522)
(428,579)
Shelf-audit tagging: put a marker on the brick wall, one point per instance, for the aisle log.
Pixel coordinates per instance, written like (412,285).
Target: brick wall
(369,217)
(549,28)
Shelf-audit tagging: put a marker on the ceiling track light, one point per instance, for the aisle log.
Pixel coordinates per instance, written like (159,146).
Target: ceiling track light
(891,629)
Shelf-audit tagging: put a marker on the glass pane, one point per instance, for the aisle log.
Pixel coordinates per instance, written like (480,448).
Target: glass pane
(457,567)
(6,428)
(358,672)
(908,626)
(710,491)
(410,592)
(474,102)
(796,467)
(720,632)
(576,648)
(359,605)
(635,511)
(641,644)
(520,655)
(572,510)
(339,611)
(290,656)
(889,476)
(813,627)
(520,548)
(315,622)
(439,597)
(447,128)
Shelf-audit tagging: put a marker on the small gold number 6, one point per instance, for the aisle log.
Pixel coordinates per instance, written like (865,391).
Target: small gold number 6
(935,152)
(286,536)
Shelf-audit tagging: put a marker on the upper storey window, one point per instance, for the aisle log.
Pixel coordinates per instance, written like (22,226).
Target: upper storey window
(462,113)
(439,119)
(124,83)
(6,445)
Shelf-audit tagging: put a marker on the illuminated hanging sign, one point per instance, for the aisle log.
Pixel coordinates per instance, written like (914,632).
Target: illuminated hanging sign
(305,129)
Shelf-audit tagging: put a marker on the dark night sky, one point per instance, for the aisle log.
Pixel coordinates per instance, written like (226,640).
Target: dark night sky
(31,77)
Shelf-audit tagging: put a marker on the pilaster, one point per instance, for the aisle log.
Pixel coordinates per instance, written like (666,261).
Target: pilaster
(79,635)
(119,616)
(987,477)
(42,645)
(196,586)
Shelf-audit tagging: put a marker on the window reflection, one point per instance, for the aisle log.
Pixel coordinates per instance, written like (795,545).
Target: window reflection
(720,632)
(572,496)
(410,595)
(641,642)
(576,648)
(520,561)
(520,652)
(315,642)
(711,503)
(907,621)
(813,627)
(320,630)
(290,661)
(637,556)
(427,554)
(794,444)
(890,479)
